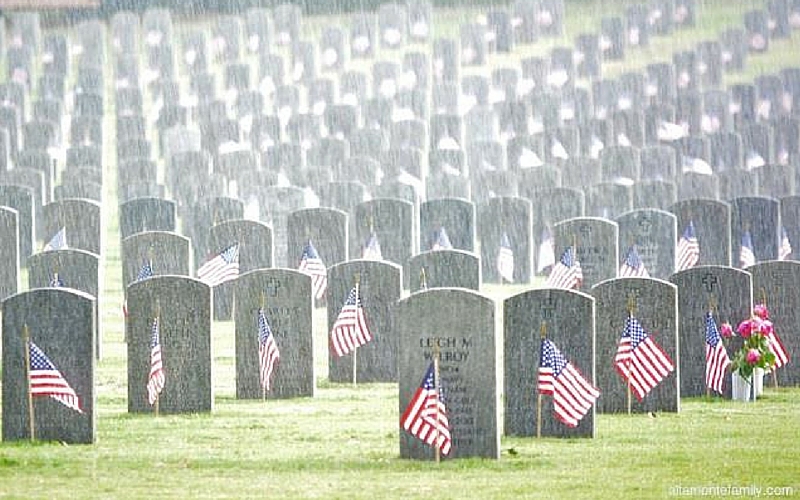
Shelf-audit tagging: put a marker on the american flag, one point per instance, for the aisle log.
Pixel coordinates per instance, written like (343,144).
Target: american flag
(146,271)
(777,348)
(441,241)
(224,267)
(785,250)
(425,417)
(350,330)
(268,354)
(573,395)
(640,360)
(372,250)
(746,256)
(687,252)
(46,380)
(55,281)
(156,379)
(311,264)
(58,241)
(633,267)
(547,252)
(717,360)
(567,273)
(505,259)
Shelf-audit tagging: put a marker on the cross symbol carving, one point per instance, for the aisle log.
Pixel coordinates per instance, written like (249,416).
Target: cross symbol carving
(272,287)
(710,281)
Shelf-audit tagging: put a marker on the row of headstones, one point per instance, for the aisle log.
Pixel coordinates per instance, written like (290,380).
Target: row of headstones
(454,324)
(148,228)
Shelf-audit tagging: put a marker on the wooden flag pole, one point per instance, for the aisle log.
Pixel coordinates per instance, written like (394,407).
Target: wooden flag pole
(357,278)
(774,371)
(262,301)
(158,318)
(543,333)
(631,310)
(27,347)
(436,387)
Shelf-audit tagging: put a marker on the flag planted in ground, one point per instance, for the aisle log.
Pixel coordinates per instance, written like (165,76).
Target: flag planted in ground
(156,378)
(268,353)
(639,360)
(717,360)
(505,259)
(221,268)
(425,417)
(350,330)
(687,252)
(567,273)
(747,257)
(311,264)
(632,266)
(573,395)
(58,241)
(46,380)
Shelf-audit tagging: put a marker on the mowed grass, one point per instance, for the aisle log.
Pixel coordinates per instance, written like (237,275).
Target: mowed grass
(344,442)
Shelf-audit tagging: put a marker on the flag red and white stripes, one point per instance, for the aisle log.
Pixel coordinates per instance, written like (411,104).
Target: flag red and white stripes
(639,360)
(350,330)
(573,395)
(156,378)
(268,354)
(46,380)
(687,252)
(717,360)
(425,417)
(224,267)
(311,264)
(567,273)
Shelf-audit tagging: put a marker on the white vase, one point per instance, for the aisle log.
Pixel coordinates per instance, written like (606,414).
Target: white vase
(741,388)
(758,382)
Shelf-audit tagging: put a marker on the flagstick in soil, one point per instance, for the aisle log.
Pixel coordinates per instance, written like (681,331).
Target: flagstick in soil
(631,310)
(357,279)
(438,388)
(774,371)
(158,318)
(27,346)
(263,386)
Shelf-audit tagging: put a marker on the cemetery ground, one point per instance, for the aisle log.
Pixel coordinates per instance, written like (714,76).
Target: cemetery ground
(343,443)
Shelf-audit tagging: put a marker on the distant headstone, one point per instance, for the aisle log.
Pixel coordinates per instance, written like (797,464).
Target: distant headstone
(284,295)
(654,194)
(380,287)
(81,219)
(167,253)
(9,253)
(654,232)
(469,374)
(444,269)
(729,292)
(66,335)
(693,185)
(506,218)
(761,217)
(392,221)
(608,199)
(595,240)
(20,200)
(455,215)
(712,223)
(183,308)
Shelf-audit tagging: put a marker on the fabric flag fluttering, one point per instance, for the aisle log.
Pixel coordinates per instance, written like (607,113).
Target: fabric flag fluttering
(567,273)
(58,241)
(156,378)
(639,360)
(372,250)
(222,268)
(46,380)
(777,348)
(268,354)
(633,267)
(505,259)
(442,241)
(717,360)
(573,395)
(350,330)
(311,264)
(56,281)
(547,252)
(425,417)
(687,252)
(747,257)
(785,250)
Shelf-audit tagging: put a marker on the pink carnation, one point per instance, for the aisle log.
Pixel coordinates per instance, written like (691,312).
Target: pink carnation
(761,311)
(726,330)
(753,356)
(746,328)
(766,327)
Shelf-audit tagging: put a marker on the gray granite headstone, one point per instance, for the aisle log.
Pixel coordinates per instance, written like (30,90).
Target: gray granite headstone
(392,221)
(698,289)
(326,228)
(82,220)
(444,269)
(658,162)
(656,308)
(569,321)
(146,214)
(513,217)
(285,296)
(77,269)
(20,199)
(596,242)
(654,194)
(620,162)
(455,215)
(255,252)
(9,253)
(467,347)
(205,214)
(342,195)
(167,252)
(183,306)
(790,220)
(776,181)
(380,287)
(712,224)
(66,335)
(276,203)
(609,199)
(727,151)
(777,282)
(737,184)
(693,185)
(761,217)
(654,232)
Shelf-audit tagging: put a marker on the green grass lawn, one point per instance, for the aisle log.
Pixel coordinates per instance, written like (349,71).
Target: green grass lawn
(344,443)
